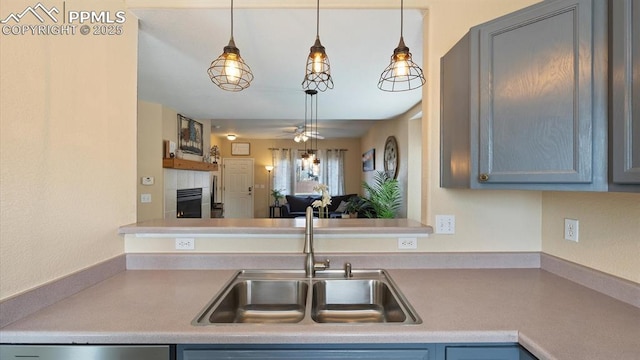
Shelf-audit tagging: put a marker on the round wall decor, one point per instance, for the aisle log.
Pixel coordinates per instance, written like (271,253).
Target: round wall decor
(391,157)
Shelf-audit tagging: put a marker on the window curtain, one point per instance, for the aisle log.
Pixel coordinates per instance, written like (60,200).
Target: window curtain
(282,170)
(332,170)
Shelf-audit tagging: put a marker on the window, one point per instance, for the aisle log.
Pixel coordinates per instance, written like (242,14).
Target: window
(307,174)
(296,176)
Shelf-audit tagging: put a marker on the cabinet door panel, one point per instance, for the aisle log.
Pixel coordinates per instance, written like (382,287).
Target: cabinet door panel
(482,353)
(625,106)
(535,95)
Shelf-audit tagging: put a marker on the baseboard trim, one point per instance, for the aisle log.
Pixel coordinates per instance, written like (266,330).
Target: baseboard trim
(618,288)
(30,301)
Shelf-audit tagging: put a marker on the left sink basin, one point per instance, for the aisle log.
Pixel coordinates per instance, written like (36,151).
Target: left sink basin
(257,301)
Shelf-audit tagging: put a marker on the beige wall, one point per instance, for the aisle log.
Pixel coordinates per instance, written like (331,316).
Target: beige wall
(261,154)
(68,145)
(150,150)
(485,220)
(609,230)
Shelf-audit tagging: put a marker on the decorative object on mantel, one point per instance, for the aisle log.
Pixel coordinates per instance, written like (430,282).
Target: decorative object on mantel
(318,71)
(240,148)
(214,152)
(189,136)
(402,74)
(229,70)
(391,157)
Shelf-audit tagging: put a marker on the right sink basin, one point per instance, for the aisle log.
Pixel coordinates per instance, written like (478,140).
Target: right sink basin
(355,301)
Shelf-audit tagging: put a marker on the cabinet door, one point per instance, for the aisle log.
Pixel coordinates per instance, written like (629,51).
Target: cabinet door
(625,91)
(542,96)
(487,353)
(306,354)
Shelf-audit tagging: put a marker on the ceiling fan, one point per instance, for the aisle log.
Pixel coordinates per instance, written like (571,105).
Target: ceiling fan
(301,135)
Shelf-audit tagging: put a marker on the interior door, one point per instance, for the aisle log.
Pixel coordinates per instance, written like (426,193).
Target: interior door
(238,188)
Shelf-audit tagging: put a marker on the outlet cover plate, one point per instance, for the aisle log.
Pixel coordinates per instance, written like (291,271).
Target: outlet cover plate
(185,243)
(571,229)
(407,243)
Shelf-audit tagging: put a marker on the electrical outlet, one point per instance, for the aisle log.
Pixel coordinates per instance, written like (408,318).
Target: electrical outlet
(445,224)
(407,243)
(571,229)
(145,198)
(185,243)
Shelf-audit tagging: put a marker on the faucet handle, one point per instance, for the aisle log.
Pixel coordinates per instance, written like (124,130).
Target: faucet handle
(347,270)
(322,265)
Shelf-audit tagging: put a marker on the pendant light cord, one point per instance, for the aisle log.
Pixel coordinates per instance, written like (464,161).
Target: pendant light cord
(317,150)
(401,16)
(232,19)
(317,19)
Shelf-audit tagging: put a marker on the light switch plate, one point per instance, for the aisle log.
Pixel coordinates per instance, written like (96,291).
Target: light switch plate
(445,224)
(145,198)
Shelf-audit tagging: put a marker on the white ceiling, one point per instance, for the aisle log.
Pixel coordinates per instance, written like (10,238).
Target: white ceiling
(176,47)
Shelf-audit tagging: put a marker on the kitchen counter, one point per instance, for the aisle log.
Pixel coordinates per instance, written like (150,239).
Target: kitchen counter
(277,227)
(552,317)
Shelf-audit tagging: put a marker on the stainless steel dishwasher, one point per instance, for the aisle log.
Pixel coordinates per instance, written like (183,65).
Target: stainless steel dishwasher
(85,352)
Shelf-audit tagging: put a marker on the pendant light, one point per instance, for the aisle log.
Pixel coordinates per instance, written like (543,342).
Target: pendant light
(318,72)
(229,70)
(402,74)
(308,155)
(316,159)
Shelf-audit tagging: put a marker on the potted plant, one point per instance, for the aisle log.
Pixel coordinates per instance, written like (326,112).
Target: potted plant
(277,195)
(384,196)
(356,205)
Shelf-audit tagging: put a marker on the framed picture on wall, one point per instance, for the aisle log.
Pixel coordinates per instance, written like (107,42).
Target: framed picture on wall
(369,160)
(189,136)
(240,148)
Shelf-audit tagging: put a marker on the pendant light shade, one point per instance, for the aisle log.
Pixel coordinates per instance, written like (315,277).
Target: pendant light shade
(318,71)
(229,71)
(402,74)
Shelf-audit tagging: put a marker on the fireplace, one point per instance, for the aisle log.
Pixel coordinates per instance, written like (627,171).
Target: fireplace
(189,203)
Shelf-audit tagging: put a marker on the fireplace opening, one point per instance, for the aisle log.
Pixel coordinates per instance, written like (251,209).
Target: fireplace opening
(189,203)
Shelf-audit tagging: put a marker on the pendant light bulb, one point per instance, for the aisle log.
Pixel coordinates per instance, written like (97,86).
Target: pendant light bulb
(318,66)
(232,69)
(401,66)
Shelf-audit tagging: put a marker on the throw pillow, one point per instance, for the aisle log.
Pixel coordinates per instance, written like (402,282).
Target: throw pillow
(342,207)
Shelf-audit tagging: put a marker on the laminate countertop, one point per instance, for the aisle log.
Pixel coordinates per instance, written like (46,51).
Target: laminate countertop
(552,317)
(281,226)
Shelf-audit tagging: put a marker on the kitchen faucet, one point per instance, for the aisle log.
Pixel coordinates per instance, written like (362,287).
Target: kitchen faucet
(311,265)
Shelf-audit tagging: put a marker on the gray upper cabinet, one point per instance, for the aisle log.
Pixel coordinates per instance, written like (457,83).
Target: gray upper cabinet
(625,92)
(524,101)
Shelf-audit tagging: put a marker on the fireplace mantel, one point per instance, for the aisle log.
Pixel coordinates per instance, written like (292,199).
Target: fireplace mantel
(183,164)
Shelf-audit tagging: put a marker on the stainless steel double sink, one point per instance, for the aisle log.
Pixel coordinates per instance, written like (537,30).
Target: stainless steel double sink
(287,296)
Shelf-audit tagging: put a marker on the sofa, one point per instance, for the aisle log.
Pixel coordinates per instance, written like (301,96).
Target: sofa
(296,205)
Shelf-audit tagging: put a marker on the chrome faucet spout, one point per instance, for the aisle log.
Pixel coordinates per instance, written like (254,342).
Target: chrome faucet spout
(310,264)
